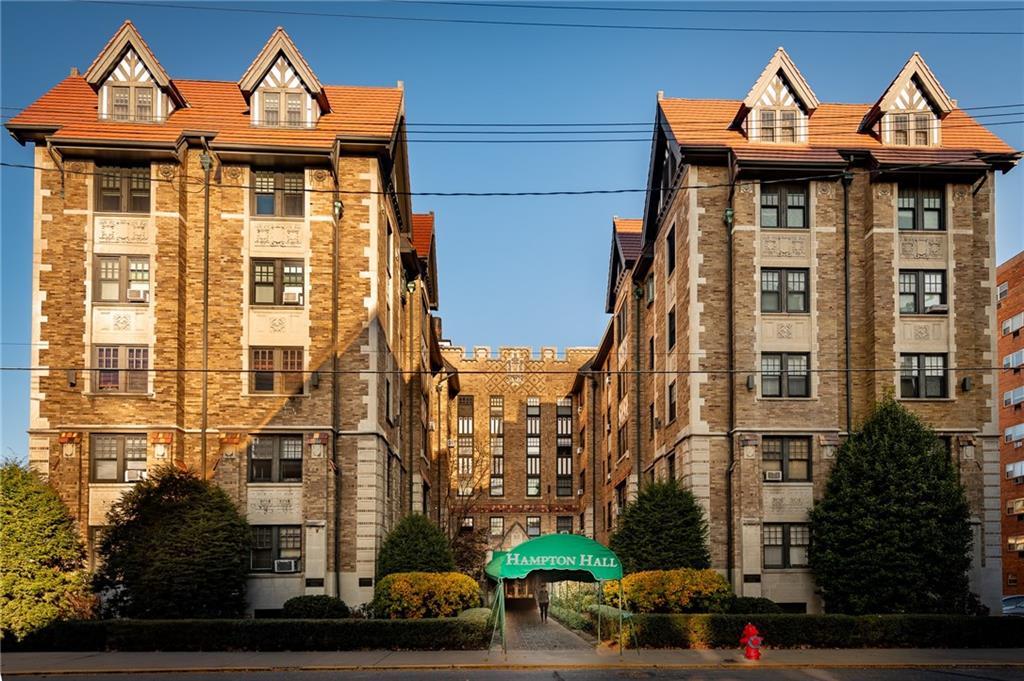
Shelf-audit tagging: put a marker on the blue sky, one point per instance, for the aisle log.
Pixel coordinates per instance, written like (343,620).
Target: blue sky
(513,271)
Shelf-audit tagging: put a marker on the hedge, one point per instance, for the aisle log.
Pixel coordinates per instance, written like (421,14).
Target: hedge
(571,619)
(455,633)
(315,608)
(671,591)
(414,595)
(826,631)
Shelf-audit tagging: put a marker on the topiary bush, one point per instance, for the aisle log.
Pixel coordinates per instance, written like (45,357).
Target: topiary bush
(414,545)
(415,595)
(315,608)
(671,591)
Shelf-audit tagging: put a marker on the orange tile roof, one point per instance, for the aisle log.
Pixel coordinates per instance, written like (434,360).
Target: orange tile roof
(706,123)
(71,106)
(422,233)
(629,236)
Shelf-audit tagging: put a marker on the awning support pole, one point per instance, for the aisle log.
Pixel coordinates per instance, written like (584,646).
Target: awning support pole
(622,605)
(599,590)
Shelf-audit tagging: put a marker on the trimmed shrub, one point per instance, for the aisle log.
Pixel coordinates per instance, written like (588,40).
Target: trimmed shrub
(481,616)
(315,608)
(663,529)
(416,595)
(671,591)
(262,635)
(570,619)
(745,605)
(415,544)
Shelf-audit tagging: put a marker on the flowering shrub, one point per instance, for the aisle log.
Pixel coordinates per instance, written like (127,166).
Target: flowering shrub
(416,595)
(671,591)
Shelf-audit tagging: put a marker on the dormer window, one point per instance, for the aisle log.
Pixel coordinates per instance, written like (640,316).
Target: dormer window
(910,129)
(281,89)
(911,110)
(131,103)
(778,125)
(778,106)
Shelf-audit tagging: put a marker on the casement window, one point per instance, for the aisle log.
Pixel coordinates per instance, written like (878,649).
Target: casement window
(468,523)
(783,206)
(923,376)
(282,108)
(670,250)
(1013,360)
(497,427)
(784,290)
(622,322)
(464,460)
(921,208)
(1002,290)
(276,548)
(130,103)
(563,524)
(275,458)
(671,324)
(922,291)
(121,279)
(276,371)
(533,446)
(278,282)
(778,125)
(533,526)
(278,194)
(785,374)
(786,459)
(122,190)
(563,447)
(671,415)
(497,526)
(1014,434)
(913,129)
(117,458)
(620,497)
(785,545)
(121,369)
(1013,324)
(672,466)
(1012,397)
(622,441)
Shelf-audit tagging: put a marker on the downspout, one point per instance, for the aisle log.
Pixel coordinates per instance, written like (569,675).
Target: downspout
(437,429)
(207,162)
(847,179)
(339,211)
(593,451)
(410,289)
(638,293)
(730,358)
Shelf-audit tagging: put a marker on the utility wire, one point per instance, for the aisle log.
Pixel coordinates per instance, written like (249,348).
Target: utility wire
(551,24)
(717,10)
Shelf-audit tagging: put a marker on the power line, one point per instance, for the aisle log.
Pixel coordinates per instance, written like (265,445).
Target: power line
(552,24)
(717,10)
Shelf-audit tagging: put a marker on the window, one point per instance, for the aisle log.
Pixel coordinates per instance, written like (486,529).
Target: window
(294,101)
(923,376)
(778,125)
(785,374)
(1013,324)
(497,426)
(465,446)
(533,447)
(1012,397)
(783,205)
(271,543)
(620,497)
(278,194)
(649,289)
(650,353)
(563,447)
(671,324)
(131,103)
(121,279)
(275,458)
(650,421)
(533,526)
(1013,434)
(623,440)
(497,526)
(118,458)
(121,369)
(122,190)
(784,291)
(912,129)
(921,208)
(900,128)
(621,322)
(1013,360)
(278,282)
(670,250)
(671,402)
(922,291)
(1002,290)
(785,545)
(276,370)
(563,524)
(672,466)
(467,523)
(786,459)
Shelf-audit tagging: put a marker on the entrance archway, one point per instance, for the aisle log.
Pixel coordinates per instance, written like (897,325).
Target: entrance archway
(554,558)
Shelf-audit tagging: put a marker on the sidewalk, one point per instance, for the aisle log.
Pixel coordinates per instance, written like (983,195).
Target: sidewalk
(17,664)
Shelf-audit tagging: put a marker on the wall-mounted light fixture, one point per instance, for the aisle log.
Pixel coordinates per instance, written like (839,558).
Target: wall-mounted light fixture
(339,209)
(314,379)
(965,384)
(72,378)
(751,384)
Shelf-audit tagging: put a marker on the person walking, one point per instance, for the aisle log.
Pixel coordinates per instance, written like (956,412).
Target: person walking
(542,600)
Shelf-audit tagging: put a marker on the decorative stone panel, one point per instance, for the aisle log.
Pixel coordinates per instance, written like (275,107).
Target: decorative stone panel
(101,498)
(787,502)
(274,504)
(789,333)
(786,248)
(923,334)
(112,233)
(122,324)
(278,326)
(278,238)
(925,250)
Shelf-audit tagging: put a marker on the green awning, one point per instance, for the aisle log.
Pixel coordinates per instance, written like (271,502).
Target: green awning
(560,557)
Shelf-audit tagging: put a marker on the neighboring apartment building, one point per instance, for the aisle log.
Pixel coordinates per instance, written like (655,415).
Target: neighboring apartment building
(226,278)
(800,261)
(1010,325)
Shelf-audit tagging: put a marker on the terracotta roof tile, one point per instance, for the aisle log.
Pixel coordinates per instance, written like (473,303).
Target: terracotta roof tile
(422,233)
(71,107)
(629,236)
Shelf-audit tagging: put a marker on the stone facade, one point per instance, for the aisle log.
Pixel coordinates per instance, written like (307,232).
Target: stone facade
(1010,356)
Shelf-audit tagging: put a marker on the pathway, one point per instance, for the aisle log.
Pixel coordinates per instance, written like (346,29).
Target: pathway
(524,631)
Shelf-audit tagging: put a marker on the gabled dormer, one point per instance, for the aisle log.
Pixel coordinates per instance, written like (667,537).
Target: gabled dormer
(778,105)
(130,83)
(281,89)
(910,111)
(627,242)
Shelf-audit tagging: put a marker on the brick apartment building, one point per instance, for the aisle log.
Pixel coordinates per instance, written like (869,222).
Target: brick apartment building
(224,279)
(1010,317)
(874,277)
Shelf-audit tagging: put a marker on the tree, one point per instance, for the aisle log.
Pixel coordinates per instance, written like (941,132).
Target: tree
(42,575)
(414,545)
(469,551)
(891,534)
(176,547)
(663,529)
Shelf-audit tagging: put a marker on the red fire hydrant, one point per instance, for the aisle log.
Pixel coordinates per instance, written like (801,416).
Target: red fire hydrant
(751,642)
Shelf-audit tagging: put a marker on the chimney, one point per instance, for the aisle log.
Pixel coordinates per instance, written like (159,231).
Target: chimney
(661,95)
(74,70)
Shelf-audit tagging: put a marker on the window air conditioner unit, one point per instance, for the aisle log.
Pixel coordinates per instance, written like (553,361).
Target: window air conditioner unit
(134,475)
(286,565)
(773,476)
(138,295)
(1016,544)
(1015,507)
(941,308)
(579,493)
(291,297)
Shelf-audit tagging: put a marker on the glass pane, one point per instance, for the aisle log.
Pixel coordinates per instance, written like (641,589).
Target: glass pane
(138,270)
(797,556)
(906,218)
(798,470)
(768,126)
(105,470)
(144,104)
(291,470)
(120,97)
(271,108)
(264,204)
(932,219)
(294,108)
(772,556)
